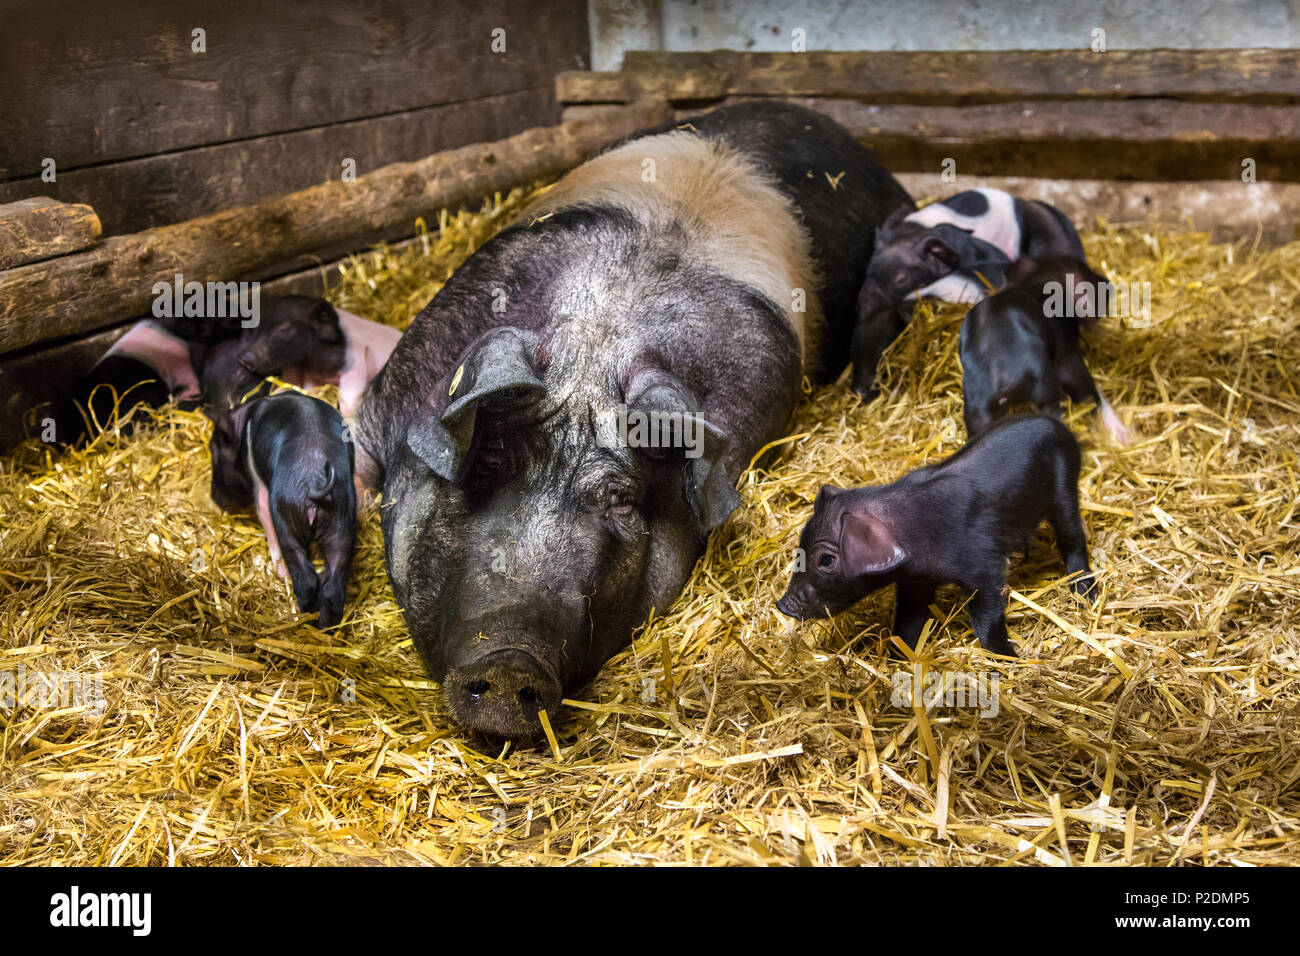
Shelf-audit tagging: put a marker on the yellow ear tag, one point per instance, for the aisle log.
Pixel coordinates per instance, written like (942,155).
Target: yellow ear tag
(455,380)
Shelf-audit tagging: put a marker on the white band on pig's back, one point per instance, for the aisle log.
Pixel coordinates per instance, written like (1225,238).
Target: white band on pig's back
(954,287)
(738,222)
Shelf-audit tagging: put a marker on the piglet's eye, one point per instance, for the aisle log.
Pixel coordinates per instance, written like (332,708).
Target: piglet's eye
(826,561)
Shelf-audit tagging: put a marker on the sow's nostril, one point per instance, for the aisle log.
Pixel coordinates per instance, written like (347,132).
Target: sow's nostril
(502,693)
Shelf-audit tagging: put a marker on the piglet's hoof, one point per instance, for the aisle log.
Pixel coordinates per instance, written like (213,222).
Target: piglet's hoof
(1002,648)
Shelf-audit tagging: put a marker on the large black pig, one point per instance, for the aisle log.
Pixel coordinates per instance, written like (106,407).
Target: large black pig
(687,275)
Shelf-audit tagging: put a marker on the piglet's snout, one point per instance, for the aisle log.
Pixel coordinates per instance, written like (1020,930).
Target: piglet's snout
(798,601)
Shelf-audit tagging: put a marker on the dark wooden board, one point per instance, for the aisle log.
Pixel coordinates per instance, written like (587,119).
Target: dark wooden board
(1147,139)
(90,82)
(1260,76)
(159,190)
(88,290)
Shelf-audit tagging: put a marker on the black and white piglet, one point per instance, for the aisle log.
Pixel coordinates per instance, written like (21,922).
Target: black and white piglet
(1023,344)
(953,522)
(147,367)
(300,443)
(304,340)
(958,250)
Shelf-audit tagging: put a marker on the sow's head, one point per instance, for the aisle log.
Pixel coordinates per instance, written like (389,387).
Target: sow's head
(542,505)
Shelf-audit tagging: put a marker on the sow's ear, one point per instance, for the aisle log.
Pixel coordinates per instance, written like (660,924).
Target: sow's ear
(498,362)
(867,546)
(710,491)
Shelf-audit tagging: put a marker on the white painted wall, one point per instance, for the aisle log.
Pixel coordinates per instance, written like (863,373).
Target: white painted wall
(767,25)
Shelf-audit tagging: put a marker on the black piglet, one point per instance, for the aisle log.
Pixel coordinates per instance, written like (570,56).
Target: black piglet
(309,498)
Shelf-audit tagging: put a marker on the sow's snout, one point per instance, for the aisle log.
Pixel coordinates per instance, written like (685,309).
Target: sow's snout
(501,693)
(498,687)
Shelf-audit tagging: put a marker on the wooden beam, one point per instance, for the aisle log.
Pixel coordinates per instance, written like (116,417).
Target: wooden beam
(138,194)
(88,290)
(1237,76)
(1160,139)
(87,82)
(40,228)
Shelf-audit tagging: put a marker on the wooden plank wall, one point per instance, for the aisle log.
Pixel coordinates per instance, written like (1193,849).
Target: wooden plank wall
(149,132)
(1143,117)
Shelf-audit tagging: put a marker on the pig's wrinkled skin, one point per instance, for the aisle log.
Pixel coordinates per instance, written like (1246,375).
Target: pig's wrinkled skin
(1013,351)
(958,250)
(526,549)
(286,455)
(954,522)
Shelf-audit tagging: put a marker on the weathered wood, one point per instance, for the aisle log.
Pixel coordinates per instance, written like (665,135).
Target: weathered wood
(39,228)
(32,383)
(159,190)
(87,82)
(32,379)
(1160,139)
(1257,76)
(88,290)
(1227,210)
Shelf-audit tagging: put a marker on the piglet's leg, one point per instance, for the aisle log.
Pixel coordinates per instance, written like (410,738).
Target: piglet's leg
(989,618)
(1077,382)
(912,608)
(873,334)
(268,525)
(1071,540)
(336,544)
(306,585)
(1111,422)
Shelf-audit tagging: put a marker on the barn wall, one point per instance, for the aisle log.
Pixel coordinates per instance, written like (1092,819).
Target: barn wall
(766,25)
(150,132)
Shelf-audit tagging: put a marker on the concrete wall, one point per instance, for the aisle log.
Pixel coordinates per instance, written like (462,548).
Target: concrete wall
(768,25)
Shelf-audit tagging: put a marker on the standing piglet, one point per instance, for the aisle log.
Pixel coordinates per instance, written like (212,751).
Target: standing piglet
(954,522)
(957,250)
(1023,344)
(307,496)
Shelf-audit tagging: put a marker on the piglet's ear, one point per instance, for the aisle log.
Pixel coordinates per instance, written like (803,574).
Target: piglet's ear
(824,495)
(938,251)
(498,368)
(326,322)
(867,546)
(885,234)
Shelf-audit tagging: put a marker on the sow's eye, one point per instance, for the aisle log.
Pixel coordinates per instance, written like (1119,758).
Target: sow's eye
(618,504)
(619,511)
